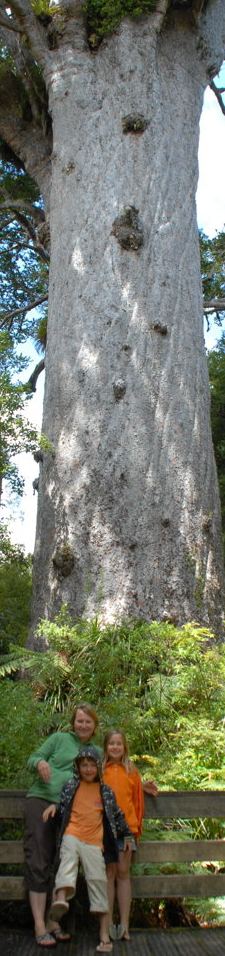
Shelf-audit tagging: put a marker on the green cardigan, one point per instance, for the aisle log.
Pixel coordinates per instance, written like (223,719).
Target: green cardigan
(59,750)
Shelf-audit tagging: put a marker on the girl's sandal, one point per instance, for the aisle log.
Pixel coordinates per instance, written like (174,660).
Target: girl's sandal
(60,936)
(104,947)
(113,931)
(122,933)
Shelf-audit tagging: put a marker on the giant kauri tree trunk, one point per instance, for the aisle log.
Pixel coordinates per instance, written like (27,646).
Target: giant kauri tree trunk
(128,515)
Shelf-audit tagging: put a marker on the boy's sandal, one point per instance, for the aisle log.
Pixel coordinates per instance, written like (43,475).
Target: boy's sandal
(58,909)
(104,947)
(46,940)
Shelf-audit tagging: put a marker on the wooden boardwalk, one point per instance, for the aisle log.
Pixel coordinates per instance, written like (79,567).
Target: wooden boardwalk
(176,942)
(147,942)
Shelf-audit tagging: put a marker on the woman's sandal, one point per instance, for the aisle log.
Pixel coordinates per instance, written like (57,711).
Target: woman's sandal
(46,940)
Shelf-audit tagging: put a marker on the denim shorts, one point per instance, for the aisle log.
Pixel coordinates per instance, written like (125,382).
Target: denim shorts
(120,843)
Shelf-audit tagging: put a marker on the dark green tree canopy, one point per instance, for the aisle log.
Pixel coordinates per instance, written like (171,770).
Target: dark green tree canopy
(15,592)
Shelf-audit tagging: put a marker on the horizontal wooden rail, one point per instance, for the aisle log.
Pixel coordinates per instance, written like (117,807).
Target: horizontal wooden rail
(12,804)
(181,804)
(167,805)
(176,885)
(186,851)
(186,804)
(12,888)
(11,851)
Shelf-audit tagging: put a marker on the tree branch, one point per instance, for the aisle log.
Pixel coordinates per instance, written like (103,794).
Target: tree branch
(17,207)
(218,94)
(31,231)
(159,13)
(214,305)
(27,141)
(20,204)
(32,381)
(30,25)
(25,308)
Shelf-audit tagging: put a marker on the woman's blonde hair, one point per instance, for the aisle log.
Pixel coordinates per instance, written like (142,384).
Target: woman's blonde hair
(88,709)
(125,759)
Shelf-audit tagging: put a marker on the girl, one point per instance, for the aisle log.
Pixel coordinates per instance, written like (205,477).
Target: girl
(125,781)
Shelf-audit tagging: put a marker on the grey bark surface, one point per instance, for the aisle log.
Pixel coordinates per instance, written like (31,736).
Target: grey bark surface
(129,516)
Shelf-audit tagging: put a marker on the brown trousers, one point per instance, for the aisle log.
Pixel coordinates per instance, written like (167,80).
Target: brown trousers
(39,846)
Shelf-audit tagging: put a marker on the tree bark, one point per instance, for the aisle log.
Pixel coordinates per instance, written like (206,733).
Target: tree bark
(129,515)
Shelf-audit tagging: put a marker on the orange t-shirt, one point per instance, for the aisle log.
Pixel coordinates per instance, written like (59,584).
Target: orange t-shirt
(127,787)
(86,816)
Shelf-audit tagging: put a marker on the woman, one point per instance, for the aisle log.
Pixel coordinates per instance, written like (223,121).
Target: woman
(53,763)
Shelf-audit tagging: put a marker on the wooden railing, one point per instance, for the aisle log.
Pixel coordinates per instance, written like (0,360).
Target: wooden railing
(168,805)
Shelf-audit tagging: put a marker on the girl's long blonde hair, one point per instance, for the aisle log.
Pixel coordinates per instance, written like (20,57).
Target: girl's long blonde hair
(125,759)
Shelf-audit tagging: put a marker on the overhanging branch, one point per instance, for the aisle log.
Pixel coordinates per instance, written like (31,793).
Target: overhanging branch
(25,308)
(218,93)
(214,305)
(30,26)
(32,232)
(32,381)
(18,205)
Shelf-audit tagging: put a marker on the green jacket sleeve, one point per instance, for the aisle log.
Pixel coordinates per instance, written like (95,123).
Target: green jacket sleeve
(44,751)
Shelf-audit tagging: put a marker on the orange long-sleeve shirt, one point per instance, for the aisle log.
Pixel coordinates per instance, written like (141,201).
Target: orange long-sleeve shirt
(127,786)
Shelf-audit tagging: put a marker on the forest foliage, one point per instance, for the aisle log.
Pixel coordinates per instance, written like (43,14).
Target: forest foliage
(17,434)
(164,685)
(15,593)
(104,16)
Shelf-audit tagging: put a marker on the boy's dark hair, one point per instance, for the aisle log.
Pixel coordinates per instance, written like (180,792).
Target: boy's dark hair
(89,753)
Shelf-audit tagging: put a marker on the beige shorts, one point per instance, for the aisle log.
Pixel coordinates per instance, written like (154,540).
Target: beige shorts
(73,851)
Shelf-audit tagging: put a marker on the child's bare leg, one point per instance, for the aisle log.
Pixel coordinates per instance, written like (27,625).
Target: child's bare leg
(60,894)
(105,945)
(59,904)
(111,878)
(124,891)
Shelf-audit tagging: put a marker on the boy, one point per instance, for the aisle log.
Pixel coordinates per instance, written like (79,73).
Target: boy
(91,824)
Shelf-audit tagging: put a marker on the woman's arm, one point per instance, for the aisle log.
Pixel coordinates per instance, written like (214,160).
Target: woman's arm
(49,812)
(42,755)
